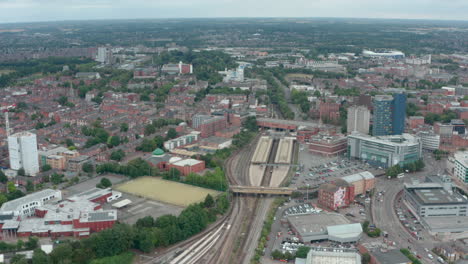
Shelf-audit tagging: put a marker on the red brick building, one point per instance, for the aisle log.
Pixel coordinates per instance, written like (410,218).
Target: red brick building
(187,166)
(435,108)
(415,121)
(209,127)
(328,145)
(336,195)
(329,111)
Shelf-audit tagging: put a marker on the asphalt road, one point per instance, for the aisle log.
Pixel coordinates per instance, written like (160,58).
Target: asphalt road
(385,217)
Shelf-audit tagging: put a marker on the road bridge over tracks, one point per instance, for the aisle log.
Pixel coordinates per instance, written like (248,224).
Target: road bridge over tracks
(262,190)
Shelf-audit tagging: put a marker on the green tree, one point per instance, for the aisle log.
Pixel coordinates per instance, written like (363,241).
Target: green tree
(276,254)
(3,177)
(32,243)
(3,199)
(147,221)
(113,141)
(46,167)
(88,167)
(19,259)
(11,187)
(144,240)
(62,100)
(209,201)
(69,142)
(19,244)
(251,123)
(40,257)
(117,155)
(111,242)
(149,129)
(106,183)
(366,258)
(62,254)
(29,186)
(171,133)
(123,127)
(56,178)
(302,252)
(21,172)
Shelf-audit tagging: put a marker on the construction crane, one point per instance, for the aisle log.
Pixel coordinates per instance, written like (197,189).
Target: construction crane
(6,110)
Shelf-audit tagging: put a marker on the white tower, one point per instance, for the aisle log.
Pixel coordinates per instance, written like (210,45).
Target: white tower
(22,149)
(358,119)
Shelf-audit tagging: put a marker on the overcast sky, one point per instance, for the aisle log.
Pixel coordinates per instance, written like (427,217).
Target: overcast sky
(51,10)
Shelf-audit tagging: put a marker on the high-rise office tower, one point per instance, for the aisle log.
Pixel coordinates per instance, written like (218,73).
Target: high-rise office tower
(22,149)
(358,119)
(382,124)
(389,115)
(399,113)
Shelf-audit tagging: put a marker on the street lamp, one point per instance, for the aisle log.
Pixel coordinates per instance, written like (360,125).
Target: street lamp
(307,192)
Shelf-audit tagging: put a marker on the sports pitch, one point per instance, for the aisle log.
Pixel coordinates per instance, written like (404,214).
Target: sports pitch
(165,191)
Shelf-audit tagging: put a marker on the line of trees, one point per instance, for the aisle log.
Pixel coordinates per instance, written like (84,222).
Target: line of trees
(134,168)
(410,167)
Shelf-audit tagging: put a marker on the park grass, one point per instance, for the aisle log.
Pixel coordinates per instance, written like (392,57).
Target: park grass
(165,191)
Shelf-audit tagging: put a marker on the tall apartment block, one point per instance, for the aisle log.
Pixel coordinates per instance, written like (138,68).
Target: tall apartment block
(22,149)
(358,119)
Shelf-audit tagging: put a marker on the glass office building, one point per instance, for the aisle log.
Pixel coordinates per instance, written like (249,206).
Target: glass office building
(389,115)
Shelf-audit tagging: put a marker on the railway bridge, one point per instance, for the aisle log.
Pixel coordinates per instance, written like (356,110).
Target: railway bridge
(283,191)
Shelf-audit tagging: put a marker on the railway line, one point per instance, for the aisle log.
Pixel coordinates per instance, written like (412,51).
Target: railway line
(271,159)
(234,237)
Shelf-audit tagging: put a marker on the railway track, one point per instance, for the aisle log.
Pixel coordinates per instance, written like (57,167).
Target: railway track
(233,238)
(266,179)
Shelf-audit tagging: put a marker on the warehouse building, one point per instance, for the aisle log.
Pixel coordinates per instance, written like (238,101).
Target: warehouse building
(324,226)
(362,182)
(49,215)
(325,255)
(385,151)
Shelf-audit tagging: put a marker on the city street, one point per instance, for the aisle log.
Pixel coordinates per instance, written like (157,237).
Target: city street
(385,217)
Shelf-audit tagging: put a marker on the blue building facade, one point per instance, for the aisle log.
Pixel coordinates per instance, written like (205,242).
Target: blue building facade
(399,113)
(389,115)
(382,121)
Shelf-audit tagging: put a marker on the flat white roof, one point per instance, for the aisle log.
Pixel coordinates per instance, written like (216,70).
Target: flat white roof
(462,158)
(187,162)
(122,203)
(14,204)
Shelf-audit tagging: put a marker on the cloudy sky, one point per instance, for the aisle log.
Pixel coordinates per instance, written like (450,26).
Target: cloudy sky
(52,10)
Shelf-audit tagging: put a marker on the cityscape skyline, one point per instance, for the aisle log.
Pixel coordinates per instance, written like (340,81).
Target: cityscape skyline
(49,10)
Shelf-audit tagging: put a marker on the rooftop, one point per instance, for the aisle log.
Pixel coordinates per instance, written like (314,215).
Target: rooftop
(393,256)
(395,140)
(14,204)
(333,256)
(462,157)
(90,194)
(310,224)
(438,196)
(459,223)
(109,215)
(187,162)
(158,152)
(365,175)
